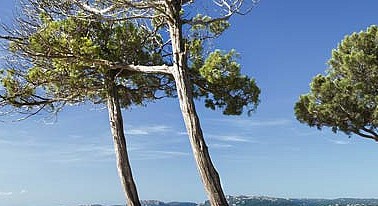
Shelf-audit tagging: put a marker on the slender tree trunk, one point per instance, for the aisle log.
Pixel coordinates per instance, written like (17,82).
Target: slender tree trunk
(123,164)
(208,173)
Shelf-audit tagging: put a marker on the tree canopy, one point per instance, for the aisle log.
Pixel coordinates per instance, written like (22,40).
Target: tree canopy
(68,59)
(346,97)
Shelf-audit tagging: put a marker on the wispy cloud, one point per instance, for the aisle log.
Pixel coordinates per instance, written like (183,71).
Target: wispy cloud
(102,150)
(64,151)
(182,133)
(100,153)
(6,193)
(79,153)
(25,142)
(255,122)
(339,142)
(76,136)
(230,138)
(304,132)
(77,148)
(292,148)
(154,155)
(136,132)
(3,141)
(146,130)
(220,146)
(269,123)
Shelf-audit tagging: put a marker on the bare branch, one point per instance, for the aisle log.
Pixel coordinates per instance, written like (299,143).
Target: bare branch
(31,114)
(370,131)
(229,7)
(366,135)
(163,69)
(11,38)
(122,10)
(93,10)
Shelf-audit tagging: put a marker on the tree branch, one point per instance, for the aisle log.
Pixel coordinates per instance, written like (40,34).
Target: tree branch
(93,10)
(164,69)
(370,131)
(366,135)
(230,9)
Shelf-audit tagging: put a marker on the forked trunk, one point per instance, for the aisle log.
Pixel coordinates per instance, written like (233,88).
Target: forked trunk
(208,173)
(123,164)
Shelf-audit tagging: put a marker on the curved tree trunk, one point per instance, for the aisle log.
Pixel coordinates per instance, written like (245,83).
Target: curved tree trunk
(123,164)
(208,173)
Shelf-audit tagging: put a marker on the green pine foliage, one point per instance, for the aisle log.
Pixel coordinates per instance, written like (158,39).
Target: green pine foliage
(70,60)
(217,75)
(346,97)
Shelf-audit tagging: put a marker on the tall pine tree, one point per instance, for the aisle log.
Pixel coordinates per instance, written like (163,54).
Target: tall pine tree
(119,53)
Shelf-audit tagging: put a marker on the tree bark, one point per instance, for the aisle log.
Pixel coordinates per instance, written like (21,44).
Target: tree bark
(209,175)
(123,164)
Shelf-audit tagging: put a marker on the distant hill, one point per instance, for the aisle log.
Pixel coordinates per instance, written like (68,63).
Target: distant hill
(158,203)
(270,201)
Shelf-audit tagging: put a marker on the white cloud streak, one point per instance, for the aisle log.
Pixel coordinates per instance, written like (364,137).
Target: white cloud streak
(147,130)
(136,132)
(182,133)
(6,193)
(339,142)
(220,146)
(255,122)
(76,149)
(231,138)
(78,153)
(154,155)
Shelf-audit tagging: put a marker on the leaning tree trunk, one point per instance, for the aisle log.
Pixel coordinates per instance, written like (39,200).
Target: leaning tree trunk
(123,164)
(208,173)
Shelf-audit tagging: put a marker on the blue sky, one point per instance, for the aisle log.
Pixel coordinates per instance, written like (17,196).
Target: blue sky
(283,44)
